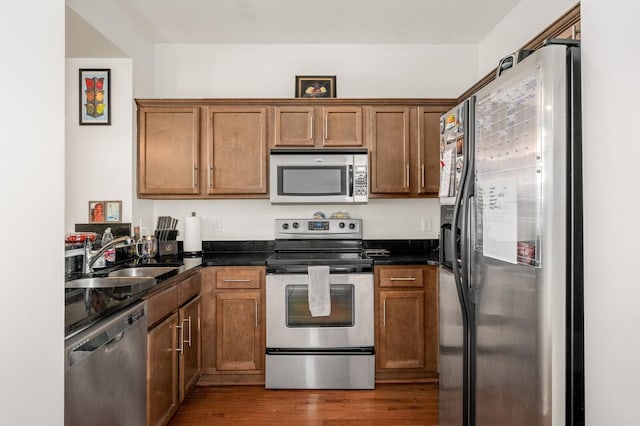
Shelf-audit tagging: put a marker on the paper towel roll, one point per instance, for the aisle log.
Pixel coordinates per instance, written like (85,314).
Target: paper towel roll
(192,234)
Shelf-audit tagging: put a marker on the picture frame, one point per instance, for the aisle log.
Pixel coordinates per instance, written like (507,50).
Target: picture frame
(96,211)
(113,211)
(95,96)
(105,211)
(315,86)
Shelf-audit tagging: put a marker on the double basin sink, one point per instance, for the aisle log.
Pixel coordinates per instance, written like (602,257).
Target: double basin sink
(139,277)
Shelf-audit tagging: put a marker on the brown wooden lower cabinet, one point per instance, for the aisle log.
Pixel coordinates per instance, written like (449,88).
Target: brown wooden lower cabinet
(162,371)
(406,323)
(173,347)
(233,340)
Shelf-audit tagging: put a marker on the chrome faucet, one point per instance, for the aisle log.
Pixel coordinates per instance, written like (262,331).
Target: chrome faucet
(89,256)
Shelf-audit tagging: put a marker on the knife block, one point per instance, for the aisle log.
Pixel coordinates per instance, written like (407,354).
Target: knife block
(167,246)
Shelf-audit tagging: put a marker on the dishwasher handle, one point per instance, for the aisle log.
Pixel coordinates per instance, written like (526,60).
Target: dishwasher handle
(105,337)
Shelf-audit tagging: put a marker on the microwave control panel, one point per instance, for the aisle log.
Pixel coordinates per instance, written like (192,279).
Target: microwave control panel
(360,181)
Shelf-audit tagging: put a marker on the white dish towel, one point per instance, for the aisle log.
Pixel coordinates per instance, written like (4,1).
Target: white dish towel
(319,291)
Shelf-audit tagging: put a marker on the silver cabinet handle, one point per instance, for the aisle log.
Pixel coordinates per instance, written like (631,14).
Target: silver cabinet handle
(311,128)
(236,281)
(408,184)
(384,312)
(326,127)
(189,321)
(256,302)
(402,279)
(180,347)
(210,174)
(422,173)
(195,176)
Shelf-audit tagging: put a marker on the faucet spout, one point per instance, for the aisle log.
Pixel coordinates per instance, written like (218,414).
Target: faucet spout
(90,256)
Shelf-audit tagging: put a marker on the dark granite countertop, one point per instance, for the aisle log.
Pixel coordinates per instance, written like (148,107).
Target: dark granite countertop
(402,252)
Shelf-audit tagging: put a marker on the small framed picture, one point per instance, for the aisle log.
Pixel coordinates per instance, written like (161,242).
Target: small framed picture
(95,96)
(309,86)
(113,211)
(96,211)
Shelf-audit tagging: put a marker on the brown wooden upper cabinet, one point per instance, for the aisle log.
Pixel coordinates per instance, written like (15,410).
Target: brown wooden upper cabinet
(390,154)
(198,151)
(318,126)
(405,151)
(236,145)
(168,150)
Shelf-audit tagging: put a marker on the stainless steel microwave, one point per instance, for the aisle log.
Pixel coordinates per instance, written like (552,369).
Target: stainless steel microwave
(319,176)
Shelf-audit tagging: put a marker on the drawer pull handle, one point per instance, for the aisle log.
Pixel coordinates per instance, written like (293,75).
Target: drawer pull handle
(402,279)
(236,281)
(180,347)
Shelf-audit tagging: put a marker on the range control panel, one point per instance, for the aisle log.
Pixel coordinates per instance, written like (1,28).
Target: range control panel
(318,228)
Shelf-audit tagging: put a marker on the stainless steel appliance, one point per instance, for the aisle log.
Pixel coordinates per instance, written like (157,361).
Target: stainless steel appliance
(105,371)
(511,292)
(319,176)
(334,351)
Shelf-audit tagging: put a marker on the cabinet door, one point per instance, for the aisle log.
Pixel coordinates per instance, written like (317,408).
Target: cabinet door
(294,126)
(238,331)
(342,126)
(390,150)
(402,333)
(428,159)
(190,355)
(236,150)
(162,371)
(168,150)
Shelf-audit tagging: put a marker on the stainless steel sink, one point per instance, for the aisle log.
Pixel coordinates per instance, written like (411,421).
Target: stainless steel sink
(143,271)
(111,282)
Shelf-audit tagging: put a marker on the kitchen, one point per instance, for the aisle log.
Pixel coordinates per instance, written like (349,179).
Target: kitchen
(604,315)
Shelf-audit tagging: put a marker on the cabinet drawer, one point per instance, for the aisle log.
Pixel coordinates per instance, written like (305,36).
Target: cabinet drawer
(401,277)
(239,278)
(188,288)
(162,304)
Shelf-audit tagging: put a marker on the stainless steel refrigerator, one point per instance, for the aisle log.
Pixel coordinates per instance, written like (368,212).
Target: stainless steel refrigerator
(511,284)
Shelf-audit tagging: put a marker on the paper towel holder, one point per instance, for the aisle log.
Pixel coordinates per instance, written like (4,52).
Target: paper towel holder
(189,249)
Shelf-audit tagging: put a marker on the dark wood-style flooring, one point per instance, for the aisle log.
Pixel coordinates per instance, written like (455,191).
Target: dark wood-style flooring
(388,404)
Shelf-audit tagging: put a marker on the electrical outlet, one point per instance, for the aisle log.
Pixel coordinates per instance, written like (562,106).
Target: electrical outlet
(426,224)
(218,224)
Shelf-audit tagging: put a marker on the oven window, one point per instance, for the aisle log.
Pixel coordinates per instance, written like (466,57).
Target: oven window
(342,307)
(312,180)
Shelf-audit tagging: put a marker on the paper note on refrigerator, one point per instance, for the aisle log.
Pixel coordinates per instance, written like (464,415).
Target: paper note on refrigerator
(447,167)
(500,220)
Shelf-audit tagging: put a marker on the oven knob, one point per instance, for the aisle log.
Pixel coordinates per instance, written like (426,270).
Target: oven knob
(295,225)
(341,225)
(352,226)
(285,226)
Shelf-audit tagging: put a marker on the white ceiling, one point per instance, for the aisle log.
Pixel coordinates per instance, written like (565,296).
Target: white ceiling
(323,22)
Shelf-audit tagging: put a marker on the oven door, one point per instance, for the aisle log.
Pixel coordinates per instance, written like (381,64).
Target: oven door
(291,326)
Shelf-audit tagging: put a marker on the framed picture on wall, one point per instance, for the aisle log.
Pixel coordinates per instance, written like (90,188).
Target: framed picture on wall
(309,86)
(96,211)
(113,211)
(95,96)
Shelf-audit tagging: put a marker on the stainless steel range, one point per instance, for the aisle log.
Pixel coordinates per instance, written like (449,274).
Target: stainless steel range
(319,294)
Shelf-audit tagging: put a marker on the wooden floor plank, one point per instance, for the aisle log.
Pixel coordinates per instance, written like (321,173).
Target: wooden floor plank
(388,404)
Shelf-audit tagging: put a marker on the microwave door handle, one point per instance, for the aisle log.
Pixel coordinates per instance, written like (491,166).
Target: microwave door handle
(350,180)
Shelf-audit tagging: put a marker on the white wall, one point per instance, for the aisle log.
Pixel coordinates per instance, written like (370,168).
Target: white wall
(612,208)
(99,158)
(32,196)
(264,71)
(224,220)
(522,24)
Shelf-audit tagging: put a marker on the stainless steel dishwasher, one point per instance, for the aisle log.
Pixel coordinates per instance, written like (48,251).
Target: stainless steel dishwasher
(105,371)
